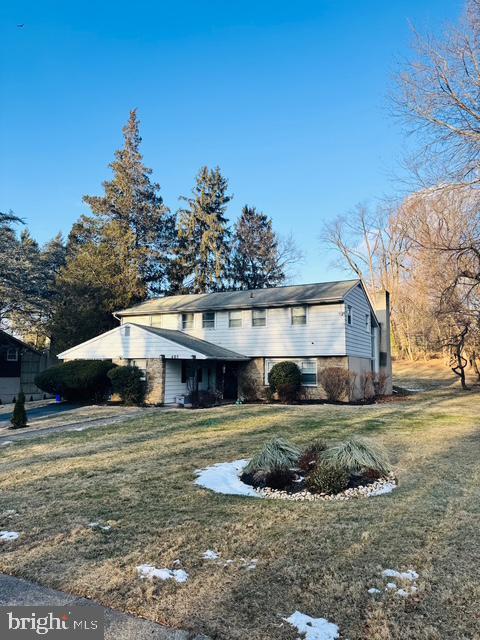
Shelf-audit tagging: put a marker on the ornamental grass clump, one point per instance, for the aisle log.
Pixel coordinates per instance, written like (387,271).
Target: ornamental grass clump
(273,465)
(357,455)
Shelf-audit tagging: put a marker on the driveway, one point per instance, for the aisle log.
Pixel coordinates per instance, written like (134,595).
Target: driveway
(36,413)
(118,626)
(43,421)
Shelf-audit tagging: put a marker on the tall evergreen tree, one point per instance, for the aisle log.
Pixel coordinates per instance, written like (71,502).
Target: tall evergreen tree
(256,257)
(101,275)
(134,201)
(36,287)
(10,266)
(203,235)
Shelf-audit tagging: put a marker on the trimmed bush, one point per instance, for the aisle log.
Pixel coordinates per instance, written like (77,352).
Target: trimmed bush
(328,478)
(358,456)
(19,416)
(128,383)
(285,378)
(77,380)
(311,455)
(336,383)
(273,465)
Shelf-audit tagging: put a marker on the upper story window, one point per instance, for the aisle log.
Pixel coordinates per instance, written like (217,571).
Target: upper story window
(299,315)
(349,314)
(12,354)
(234,319)
(187,320)
(208,320)
(259,317)
(126,331)
(368,323)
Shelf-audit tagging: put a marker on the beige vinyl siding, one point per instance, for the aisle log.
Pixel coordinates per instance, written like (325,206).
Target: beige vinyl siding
(358,339)
(173,379)
(323,334)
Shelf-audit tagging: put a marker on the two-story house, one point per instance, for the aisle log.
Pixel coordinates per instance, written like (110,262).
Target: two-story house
(228,337)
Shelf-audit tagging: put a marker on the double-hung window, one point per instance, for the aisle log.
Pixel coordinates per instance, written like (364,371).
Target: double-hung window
(208,320)
(234,319)
(308,369)
(187,320)
(259,317)
(12,354)
(309,372)
(299,315)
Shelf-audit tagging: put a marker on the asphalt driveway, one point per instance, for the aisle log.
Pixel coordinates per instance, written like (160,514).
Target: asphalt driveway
(36,413)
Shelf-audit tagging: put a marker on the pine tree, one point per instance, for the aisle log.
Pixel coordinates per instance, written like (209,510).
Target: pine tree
(11,296)
(256,260)
(101,275)
(132,200)
(202,252)
(19,416)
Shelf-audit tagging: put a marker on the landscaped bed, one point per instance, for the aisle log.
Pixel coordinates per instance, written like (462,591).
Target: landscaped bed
(350,469)
(114,514)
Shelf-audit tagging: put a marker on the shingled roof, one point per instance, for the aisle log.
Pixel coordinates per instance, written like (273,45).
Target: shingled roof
(207,349)
(321,292)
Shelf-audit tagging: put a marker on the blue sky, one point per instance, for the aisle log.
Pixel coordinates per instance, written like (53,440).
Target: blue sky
(288,98)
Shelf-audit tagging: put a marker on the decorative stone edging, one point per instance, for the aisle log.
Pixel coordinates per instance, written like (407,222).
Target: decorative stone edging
(377,488)
(224,477)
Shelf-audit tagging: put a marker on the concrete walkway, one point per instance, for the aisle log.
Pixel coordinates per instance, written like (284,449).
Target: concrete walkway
(15,435)
(118,626)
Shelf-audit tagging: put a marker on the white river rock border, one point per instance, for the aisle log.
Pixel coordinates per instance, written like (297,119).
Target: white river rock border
(224,477)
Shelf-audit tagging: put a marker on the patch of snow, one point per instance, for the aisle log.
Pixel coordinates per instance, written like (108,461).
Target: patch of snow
(150,572)
(223,477)
(6,442)
(313,628)
(210,555)
(390,586)
(9,535)
(402,593)
(386,488)
(414,389)
(405,575)
(374,590)
(78,429)
(101,527)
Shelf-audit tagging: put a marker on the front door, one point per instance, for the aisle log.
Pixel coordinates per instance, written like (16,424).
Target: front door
(227,376)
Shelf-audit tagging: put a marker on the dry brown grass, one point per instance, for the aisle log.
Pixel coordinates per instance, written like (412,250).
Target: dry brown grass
(319,558)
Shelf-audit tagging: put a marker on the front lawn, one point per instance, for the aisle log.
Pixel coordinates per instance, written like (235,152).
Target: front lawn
(319,558)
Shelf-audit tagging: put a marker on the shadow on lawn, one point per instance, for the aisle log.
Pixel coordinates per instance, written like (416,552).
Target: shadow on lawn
(324,567)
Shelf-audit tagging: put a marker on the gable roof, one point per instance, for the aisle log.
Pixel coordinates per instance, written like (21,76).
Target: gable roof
(208,349)
(321,292)
(8,338)
(113,344)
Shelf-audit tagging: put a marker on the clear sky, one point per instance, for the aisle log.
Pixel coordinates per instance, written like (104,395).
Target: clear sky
(287,97)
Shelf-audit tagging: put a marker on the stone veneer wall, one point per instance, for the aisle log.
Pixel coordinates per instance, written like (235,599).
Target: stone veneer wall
(254,372)
(155,381)
(155,368)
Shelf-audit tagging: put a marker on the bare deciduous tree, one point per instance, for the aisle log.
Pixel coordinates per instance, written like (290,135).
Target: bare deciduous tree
(438,100)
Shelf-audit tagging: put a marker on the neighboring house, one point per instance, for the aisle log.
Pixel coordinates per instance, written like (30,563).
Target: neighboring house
(19,364)
(230,338)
